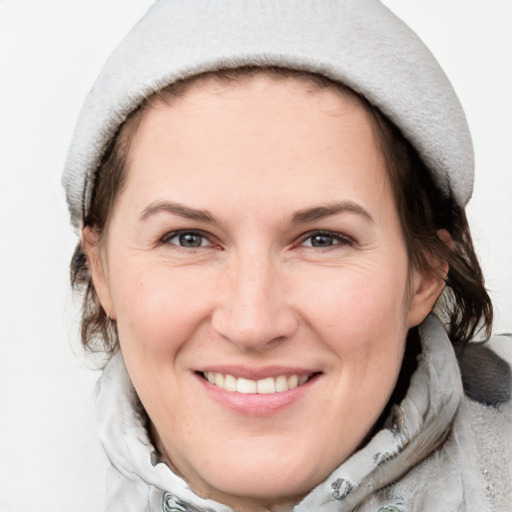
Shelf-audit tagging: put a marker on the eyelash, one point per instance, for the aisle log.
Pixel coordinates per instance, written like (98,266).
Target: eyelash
(338,239)
(166,239)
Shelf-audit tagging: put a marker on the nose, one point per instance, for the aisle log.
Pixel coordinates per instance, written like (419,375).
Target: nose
(253,310)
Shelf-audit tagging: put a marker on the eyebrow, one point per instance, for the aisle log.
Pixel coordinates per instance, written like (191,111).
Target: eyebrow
(300,217)
(320,212)
(177,209)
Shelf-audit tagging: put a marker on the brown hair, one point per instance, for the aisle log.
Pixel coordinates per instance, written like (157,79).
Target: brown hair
(422,208)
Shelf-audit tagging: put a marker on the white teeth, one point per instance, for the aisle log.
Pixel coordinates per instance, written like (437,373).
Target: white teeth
(219,380)
(230,383)
(293,382)
(263,387)
(281,383)
(246,386)
(266,386)
(303,379)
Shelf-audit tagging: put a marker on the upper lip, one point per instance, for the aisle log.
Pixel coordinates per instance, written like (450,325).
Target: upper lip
(245,372)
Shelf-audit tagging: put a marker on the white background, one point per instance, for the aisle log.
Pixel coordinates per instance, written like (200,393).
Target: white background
(50,53)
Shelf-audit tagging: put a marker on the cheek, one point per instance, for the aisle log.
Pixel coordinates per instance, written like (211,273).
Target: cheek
(363,321)
(358,308)
(159,308)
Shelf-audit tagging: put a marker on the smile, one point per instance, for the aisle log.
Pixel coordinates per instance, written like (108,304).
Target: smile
(265,386)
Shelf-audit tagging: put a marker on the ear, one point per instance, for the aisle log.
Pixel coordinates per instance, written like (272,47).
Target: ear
(428,285)
(98,268)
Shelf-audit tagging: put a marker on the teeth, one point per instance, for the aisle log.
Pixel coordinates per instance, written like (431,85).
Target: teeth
(266,386)
(293,382)
(246,386)
(230,383)
(303,379)
(281,383)
(219,380)
(263,387)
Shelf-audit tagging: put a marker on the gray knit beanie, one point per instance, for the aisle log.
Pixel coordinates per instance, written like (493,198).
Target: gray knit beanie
(359,43)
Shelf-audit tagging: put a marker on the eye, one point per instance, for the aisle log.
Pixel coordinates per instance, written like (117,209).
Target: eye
(187,239)
(324,239)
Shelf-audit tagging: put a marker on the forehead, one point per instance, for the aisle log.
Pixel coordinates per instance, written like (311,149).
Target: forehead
(281,138)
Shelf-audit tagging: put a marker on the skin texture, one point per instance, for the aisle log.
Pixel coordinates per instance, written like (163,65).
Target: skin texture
(256,294)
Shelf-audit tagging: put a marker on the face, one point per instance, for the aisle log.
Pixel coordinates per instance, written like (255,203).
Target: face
(255,264)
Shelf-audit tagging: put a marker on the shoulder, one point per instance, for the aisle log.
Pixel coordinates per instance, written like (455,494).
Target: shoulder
(485,370)
(489,408)
(492,432)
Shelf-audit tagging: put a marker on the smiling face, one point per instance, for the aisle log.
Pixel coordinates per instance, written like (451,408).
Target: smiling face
(256,268)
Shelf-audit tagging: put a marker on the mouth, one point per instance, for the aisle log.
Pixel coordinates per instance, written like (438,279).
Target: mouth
(255,392)
(266,386)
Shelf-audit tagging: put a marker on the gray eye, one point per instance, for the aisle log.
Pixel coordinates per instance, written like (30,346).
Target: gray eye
(191,240)
(325,239)
(187,239)
(322,240)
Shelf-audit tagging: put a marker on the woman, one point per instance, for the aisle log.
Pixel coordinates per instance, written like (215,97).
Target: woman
(271,203)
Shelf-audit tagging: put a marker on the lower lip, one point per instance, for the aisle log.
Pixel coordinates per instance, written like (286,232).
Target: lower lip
(254,404)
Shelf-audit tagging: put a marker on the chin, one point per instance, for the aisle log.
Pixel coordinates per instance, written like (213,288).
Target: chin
(251,490)
(247,481)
